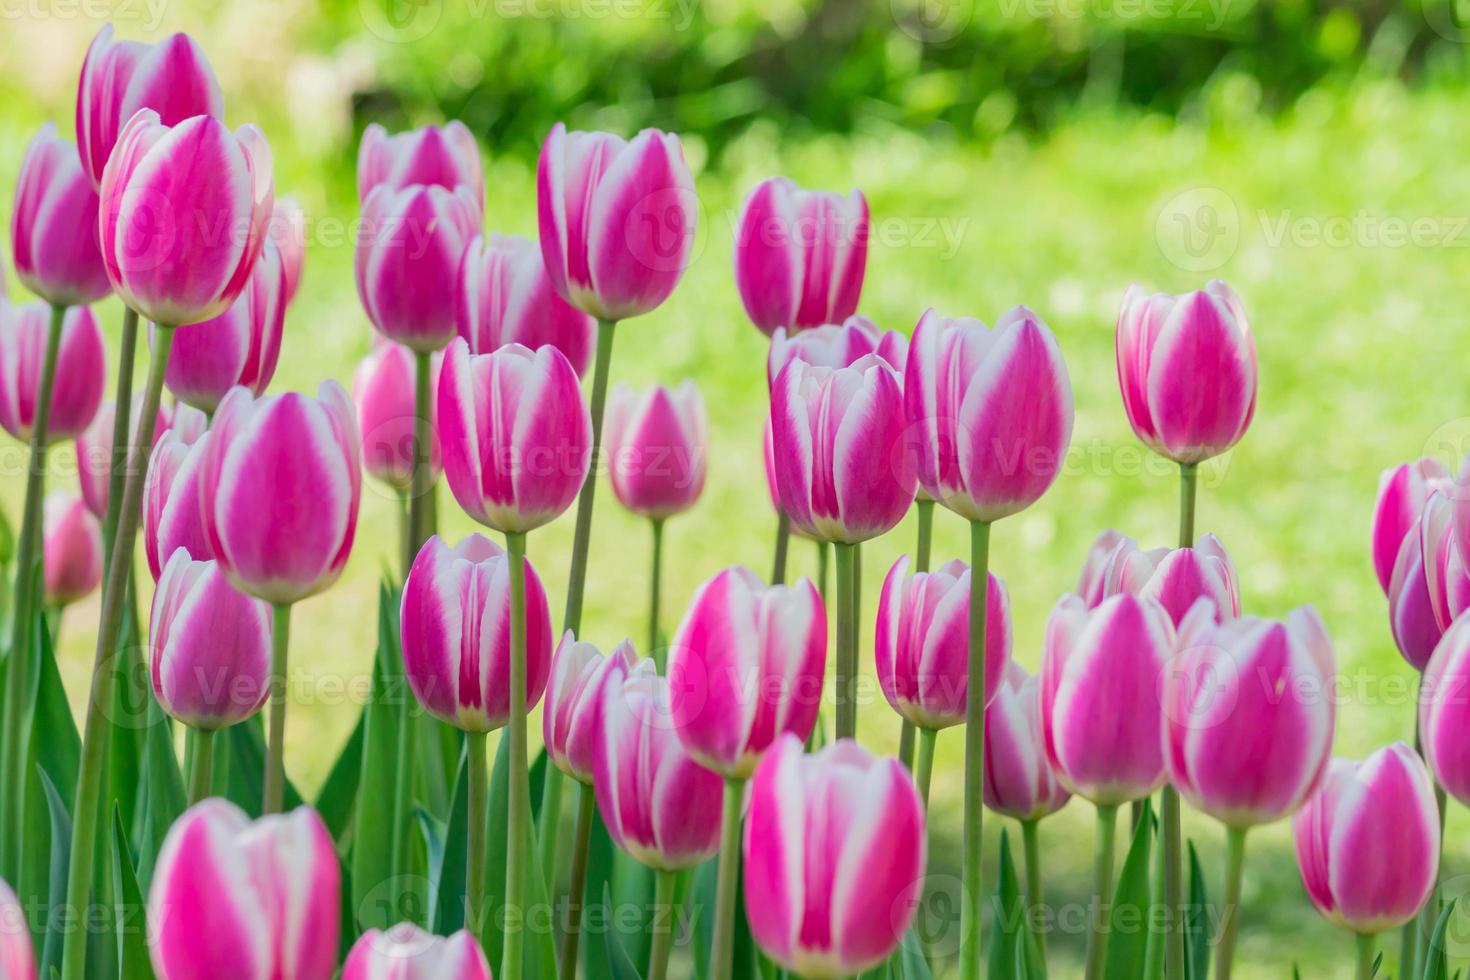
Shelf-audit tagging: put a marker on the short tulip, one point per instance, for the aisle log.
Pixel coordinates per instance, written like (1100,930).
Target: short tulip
(53,226)
(1092,583)
(1411,610)
(1446,574)
(383,389)
(836,345)
(172,518)
(1177,578)
(73,550)
(1019,781)
(657,448)
(572,718)
(504,296)
(94,449)
(81,370)
(432,156)
(1444,711)
(288,232)
(1402,493)
(406,952)
(17,957)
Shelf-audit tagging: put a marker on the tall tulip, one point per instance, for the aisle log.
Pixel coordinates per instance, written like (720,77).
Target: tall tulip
(406,952)
(288,232)
(172,518)
(431,156)
(17,957)
(53,225)
(1177,578)
(72,549)
(505,296)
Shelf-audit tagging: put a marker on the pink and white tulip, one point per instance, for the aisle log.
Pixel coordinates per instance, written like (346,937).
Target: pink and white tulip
(572,719)
(818,904)
(94,448)
(1402,493)
(1177,578)
(1411,610)
(456,633)
(17,956)
(172,517)
(383,389)
(1446,574)
(836,345)
(288,232)
(1019,781)
(1092,582)
(72,544)
(431,156)
(81,370)
(657,448)
(53,225)
(1444,711)
(249,901)
(406,952)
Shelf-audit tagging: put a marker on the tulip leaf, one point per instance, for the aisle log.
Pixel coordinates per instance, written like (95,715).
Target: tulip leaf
(163,797)
(1128,943)
(1436,964)
(246,770)
(374,893)
(60,862)
(495,835)
(127,738)
(1197,939)
(131,919)
(911,957)
(338,795)
(620,966)
(1010,921)
(449,895)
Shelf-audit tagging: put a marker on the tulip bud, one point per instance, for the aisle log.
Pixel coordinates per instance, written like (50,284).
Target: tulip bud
(800,255)
(456,633)
(432,156)
(249,901)
(515,432)
(406,952)
(383,389)
(1445,573)
(572,718)
(1410,609)
(53,226)
(818,904)
(1444,711)
(1092,582)
(616,219)
(17,958)
(94,448)
(81,370)
(1019,781)
(1402,492)
(73,550)
(1177,578)
(836,346)
(657,448)
(171,515)
(288,231)
(1367,842)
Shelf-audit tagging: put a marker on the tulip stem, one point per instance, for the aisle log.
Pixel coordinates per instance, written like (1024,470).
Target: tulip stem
(421,486)
(1102,890)
(88,806)
(518,799)
(663,924)
(582,536)
(202,770)
(722,949)
(1031,841)
(783,539)
(1188,484)
(586,810)
(122,420)
(546,851)
(846,642)
(1169,797)
(824,569)
(973,877)
(655,577)
(924,510)
(1234,872)
(275,757)
(925,770)
(1367,953)
(476,916)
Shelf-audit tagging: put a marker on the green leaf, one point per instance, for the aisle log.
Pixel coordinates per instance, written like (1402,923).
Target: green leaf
(374,895)
(128,719)
(911,957)
(131,914)
(1128,942)
(339,792)
(1436,964)
(448,902)
(60,861)
(1197,940)
(1153,968)
(1010,921)
(163,797)
(245,758)
(495,835)
(620,966)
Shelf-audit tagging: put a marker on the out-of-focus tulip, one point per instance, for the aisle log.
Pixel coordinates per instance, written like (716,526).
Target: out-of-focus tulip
(1187,368)
(572,719)
(171,77)
(515,433)
(1402,492)
(406,952)
(211,646)
(279,485)
(383,389)
(506,297)
(17,957)
(1101,675)
(431,156)
(800,255)
(53,226)
(94,449)
(172,518)
(73,549)
(838,441)
(659,804)
(657,448)
(1019,781)
(817,902)
(239,347)
(923,642)
(456,633)
(1368,841)
(1444,711)
(288,232)
(1092,582)
(407,261)
(1446,575)
(746,664)
(836,345)
(249,901)
(1177,577)
(1249,716)
(616,219)
(81,370)
(183,215)
(1411,617)
(989,411)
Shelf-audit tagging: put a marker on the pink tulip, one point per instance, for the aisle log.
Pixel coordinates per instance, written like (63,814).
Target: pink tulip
(1402,493)
(1411,610)
(94,448)
(288,231)
(171,77)
(923,642)
(746,664)
(431,156)
(407,261)
(1092,582)
(183,215)
(383,389)
(838,440)
(800,255)
(504,296)
(989,411)
(1187,368)
(1446,575)
(1444,711)
(1019,781)
(81,370)
(53,226)
(657,448)
(1368,841)
(834,857)
(406,952)
(572,718)
(279,485)
(17,958)
(1177,577)
(172,519)
(616,219)
(211,646)
(515,433)
(1249,716)
(836,345)
(248,901)
(1101,673)
(659,805)
(73,550)
(456,633)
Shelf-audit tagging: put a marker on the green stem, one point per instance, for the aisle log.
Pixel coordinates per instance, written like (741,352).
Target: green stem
(824,569)
(202,769)
(1031,841)
(586,810)
(925,511)
(422,485)
(1234,872)
(477,917)
(925,771)
(582,536)
(518,800)
(722,949)
(1188,485)
(973,877)
(403,791)
(1169,798)
(783,539)
(275,755)
(405,532)
(1367,953)
(546,852)
(663,924)
(122,421)
(846,643)
(654,581)
(88,806)
(1102,890)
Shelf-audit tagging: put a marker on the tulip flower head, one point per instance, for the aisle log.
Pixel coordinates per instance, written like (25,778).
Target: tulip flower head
(1402,493)
(94,449)
(53,226)
(1444,711)
(1446,574)
(1177,578)
(288,231)
(1092,582)
(171,514)
(72,548)
(383,389)
(836,345)
(657,448)
(431,156)
(406,952)
(81,370)
(1019,781)
(572,719)
(17,957)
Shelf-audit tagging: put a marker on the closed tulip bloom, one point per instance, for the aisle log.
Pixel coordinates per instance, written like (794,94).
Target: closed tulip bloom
(172,518)
(1444,711)
(571,724)
(837,436)
(1177,578)
(17,957)
(616,219)
(249,901)
(73,550)
(288,232)
(836,345)
(432,156)
(1402,493)
(923,642)
(515,432)
(504,296)
(456,633)
(407,261)
(657,448)
(383,389)
(1446,575)
(746,664)
(279,487)
(171,77)
(94,449)
(1187,368)
(1411,610)
(800,255)
(658,803)
(990,411)
(1092,582)
(406,952)
(1019,781)
(81,370)
(53,225)
(1101,675)
(834,857)
(1367,842)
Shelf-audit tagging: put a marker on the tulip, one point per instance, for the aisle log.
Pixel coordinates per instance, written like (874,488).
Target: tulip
(1411,610)
(1019,781)
(382,388)
(172,519)
(1402,493)
(818,904)
(17,958)
(504,296)
(800,255)
(1092,582)
(572,719)
(836,346)
(1176,578)
(406,952)
(249,901)
(1443,711)
(94,449)
(288,231)
(81,371)
(53,226)
(1446,575)
(73,550)
(431,156)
